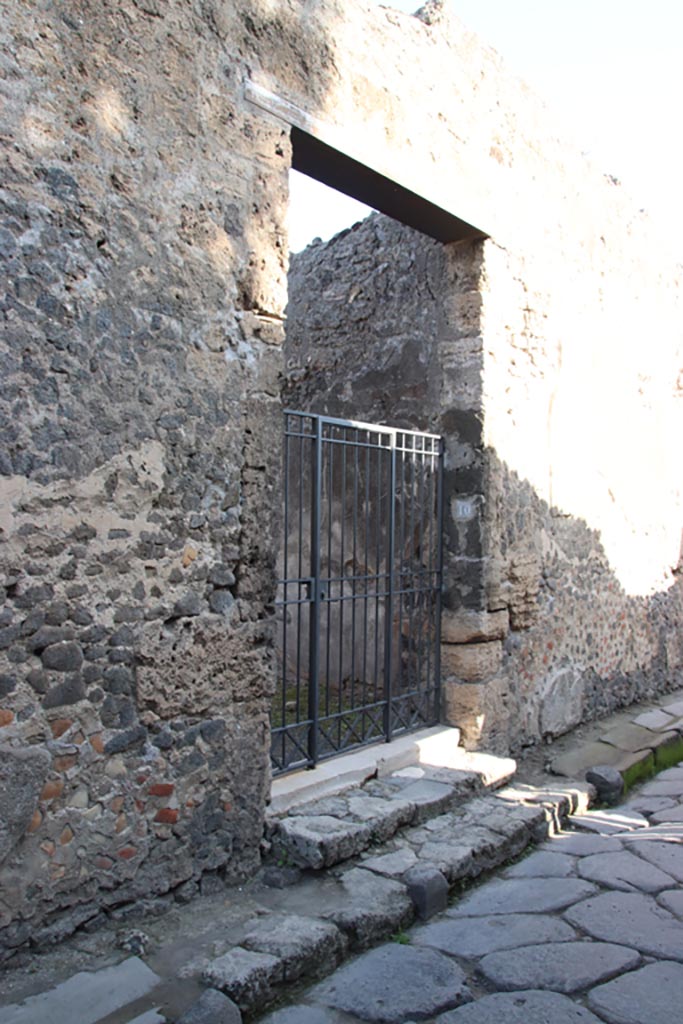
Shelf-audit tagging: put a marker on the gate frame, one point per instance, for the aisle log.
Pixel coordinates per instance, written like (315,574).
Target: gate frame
(313,583)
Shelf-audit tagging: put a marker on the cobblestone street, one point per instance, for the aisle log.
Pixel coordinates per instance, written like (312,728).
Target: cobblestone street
(587,928)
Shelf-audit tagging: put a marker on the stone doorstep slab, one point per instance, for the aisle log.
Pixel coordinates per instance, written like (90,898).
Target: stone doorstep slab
(430,748)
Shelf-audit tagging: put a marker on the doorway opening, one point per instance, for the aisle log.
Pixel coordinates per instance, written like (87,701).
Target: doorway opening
(359,591)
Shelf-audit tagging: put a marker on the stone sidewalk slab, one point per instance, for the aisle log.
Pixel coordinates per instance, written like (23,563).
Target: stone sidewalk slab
(394,983)
(654,995)
(95,995)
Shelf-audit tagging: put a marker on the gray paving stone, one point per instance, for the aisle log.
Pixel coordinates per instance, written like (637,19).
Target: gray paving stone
(672,900)
(245,976)
(674,708)
(582,844)
(668,814)
(302,944)
(154,1017)
(652,995)
(370,907)
(667,856)
(393,983)
(543,864)
(522,895)
(563,967)
(632,918)
(648,805)
(672,773)
(96,994)
(520,1008)
(663,787)
(301,1014)
(624,871)
(472,937)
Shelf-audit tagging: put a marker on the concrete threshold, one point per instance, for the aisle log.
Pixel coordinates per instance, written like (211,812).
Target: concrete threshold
(436,747)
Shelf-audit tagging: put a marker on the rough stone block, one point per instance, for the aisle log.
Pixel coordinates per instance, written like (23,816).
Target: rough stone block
(22,776)
(473,663)
(303,945)
(608,781)
(319,841)
(370,907)
(244,975)
(428,889)
(466,626)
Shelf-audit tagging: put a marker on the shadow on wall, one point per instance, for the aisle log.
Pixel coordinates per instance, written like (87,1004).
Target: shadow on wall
(540,629)
(556,640)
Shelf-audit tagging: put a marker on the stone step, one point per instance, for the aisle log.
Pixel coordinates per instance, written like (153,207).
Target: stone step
(320,833)
(332,914)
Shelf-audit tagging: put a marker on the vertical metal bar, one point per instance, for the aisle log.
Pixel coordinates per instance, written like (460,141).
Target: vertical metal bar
(439,580)
(314,606)
(354,571)
(342,589)
(330,514)
(378,545)
(389,606)
(366,574)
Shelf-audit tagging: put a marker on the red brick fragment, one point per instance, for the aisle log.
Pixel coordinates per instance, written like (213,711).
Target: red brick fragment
(52,789)
(161,789)
(60,726)
(166,815)
(6,717)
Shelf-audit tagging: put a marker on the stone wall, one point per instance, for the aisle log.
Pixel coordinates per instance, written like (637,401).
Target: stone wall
(550,618)
(143,288)
(144,258)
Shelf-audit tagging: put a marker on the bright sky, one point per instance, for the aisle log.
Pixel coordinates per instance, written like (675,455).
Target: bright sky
(611,69)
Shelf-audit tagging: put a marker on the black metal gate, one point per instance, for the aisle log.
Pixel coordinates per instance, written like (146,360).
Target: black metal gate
(359,594)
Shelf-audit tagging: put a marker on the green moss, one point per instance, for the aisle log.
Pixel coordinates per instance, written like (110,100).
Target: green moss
(638,772)
(669,754)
